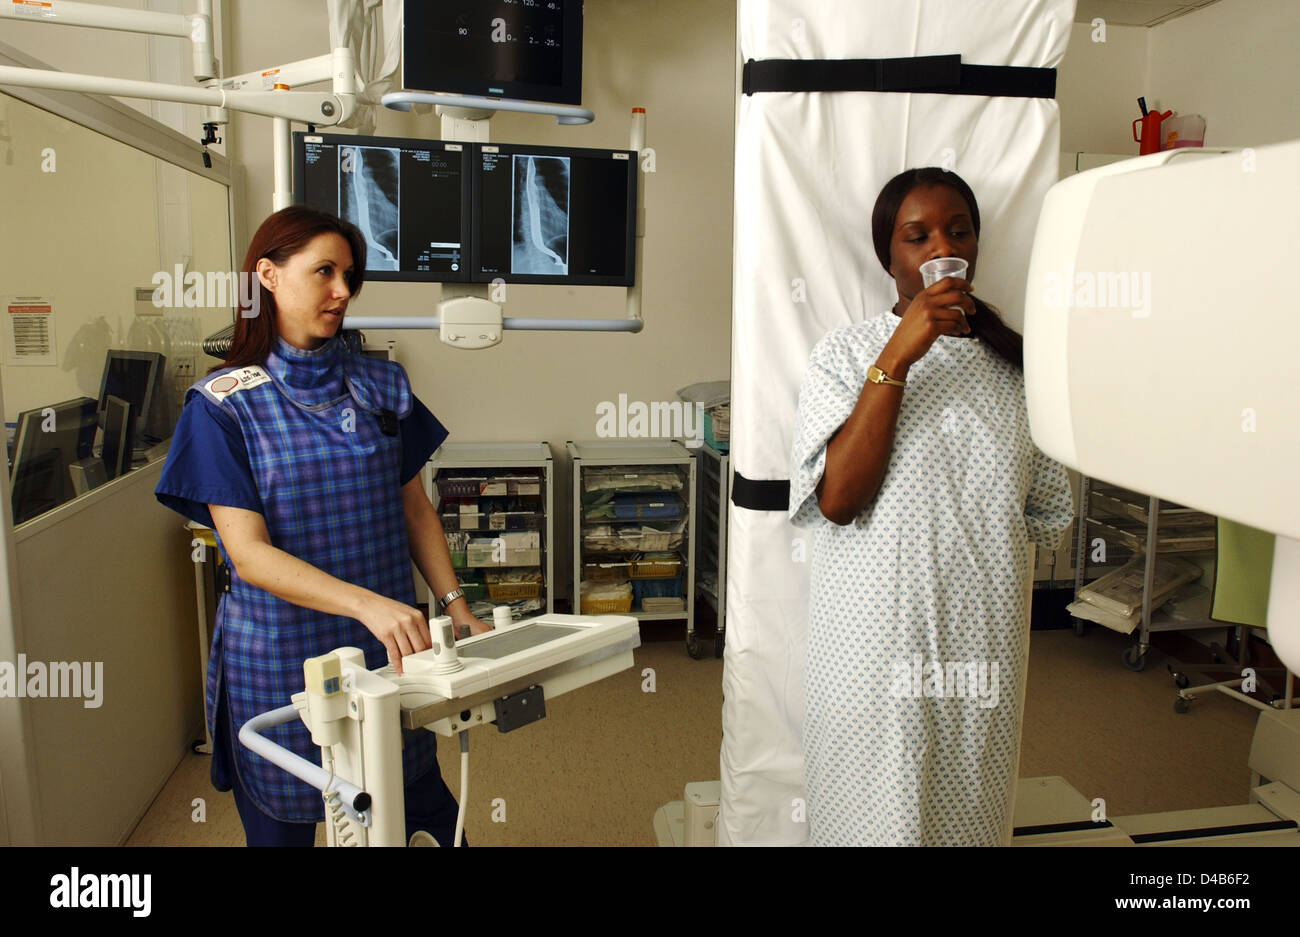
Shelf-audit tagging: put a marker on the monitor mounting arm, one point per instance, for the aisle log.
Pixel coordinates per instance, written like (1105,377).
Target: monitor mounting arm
(265,93)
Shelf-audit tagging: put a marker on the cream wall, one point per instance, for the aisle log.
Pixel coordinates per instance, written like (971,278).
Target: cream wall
(1097,87)
(1234,63)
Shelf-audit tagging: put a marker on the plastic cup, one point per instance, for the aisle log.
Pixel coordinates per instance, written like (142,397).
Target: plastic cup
(932,271)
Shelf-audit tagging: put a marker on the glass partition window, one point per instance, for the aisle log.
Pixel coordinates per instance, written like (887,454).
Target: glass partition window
(113,266)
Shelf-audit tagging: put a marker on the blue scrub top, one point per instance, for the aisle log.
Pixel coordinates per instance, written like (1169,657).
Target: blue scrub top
(299,440)
(207,462)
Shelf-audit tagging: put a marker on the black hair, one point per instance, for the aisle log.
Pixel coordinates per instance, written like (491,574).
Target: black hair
(987,322)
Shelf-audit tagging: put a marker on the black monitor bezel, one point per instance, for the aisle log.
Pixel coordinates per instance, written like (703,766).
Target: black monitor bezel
(569,91)
(28,451)
(123,463)
(476,207)
(351,139)
(140,420)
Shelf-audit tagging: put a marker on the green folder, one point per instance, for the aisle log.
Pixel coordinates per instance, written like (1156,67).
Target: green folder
(1242,572)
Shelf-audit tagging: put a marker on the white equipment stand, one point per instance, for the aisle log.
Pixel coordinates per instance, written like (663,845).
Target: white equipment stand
(502,677)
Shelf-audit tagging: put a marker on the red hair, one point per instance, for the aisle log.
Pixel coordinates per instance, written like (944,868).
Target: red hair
(280,237)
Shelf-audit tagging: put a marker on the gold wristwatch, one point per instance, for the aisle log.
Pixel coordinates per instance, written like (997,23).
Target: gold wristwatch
(877,376)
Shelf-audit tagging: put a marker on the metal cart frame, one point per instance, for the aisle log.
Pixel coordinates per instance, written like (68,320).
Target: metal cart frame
(715,482)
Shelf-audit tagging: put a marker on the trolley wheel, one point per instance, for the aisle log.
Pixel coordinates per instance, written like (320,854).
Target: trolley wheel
(1180,705)
(1078,627)
(1134,659)
(718,643)
(693,646)
(1180,679)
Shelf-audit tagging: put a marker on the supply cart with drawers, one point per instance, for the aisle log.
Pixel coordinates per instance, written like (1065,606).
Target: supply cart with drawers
(495,503)
(634,530)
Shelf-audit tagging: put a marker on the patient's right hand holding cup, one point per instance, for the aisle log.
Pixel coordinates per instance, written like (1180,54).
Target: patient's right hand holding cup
(932,271)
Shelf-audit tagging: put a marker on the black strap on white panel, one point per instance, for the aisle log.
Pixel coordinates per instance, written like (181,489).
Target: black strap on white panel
(759,495)
(921,74)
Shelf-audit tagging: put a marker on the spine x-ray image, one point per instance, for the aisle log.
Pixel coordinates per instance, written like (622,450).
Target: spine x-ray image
(369,193)
(541,215)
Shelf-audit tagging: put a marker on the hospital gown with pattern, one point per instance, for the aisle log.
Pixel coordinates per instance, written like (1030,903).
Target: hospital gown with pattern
(918,639)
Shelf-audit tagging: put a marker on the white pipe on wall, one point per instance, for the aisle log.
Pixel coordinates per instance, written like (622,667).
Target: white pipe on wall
(638,145)
(283,144)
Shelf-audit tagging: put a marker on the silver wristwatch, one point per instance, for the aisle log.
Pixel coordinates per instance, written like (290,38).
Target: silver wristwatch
(450,597)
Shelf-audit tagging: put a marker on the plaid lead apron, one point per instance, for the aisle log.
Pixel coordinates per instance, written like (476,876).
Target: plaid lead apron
(329,479)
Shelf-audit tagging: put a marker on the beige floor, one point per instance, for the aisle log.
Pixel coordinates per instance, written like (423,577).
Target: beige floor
(605,758)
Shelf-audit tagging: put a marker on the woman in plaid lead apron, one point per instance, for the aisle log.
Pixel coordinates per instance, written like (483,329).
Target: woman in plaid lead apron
(321,444)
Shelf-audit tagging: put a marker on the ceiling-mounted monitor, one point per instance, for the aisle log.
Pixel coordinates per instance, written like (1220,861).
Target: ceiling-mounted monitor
(558,215)
(407,196)
(526,50)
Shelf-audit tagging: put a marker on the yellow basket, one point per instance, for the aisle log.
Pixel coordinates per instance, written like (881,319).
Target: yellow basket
(606,606)
(659,568)
(513,591)
(606,572)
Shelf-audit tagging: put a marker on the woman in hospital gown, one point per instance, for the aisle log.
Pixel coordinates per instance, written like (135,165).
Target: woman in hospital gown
(923,500)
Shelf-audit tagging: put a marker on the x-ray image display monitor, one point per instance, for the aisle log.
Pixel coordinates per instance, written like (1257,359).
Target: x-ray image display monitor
(522,49)
(408,198)
(552,215)
(539,204)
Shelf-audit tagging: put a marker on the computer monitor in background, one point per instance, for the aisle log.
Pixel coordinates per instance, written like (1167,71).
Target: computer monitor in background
(530,51)
(116,451)
(137,378)
(48,442)
(409,198)
(554,215)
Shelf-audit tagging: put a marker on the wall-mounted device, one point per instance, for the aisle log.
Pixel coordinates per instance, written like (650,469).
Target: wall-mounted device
(527,51)
(409,198)
(433,211)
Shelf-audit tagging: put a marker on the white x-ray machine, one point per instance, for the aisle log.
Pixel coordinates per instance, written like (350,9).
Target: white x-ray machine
(1161,337)
(1160,354)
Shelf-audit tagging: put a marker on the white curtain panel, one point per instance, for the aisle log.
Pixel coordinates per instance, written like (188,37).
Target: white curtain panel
(808,169)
